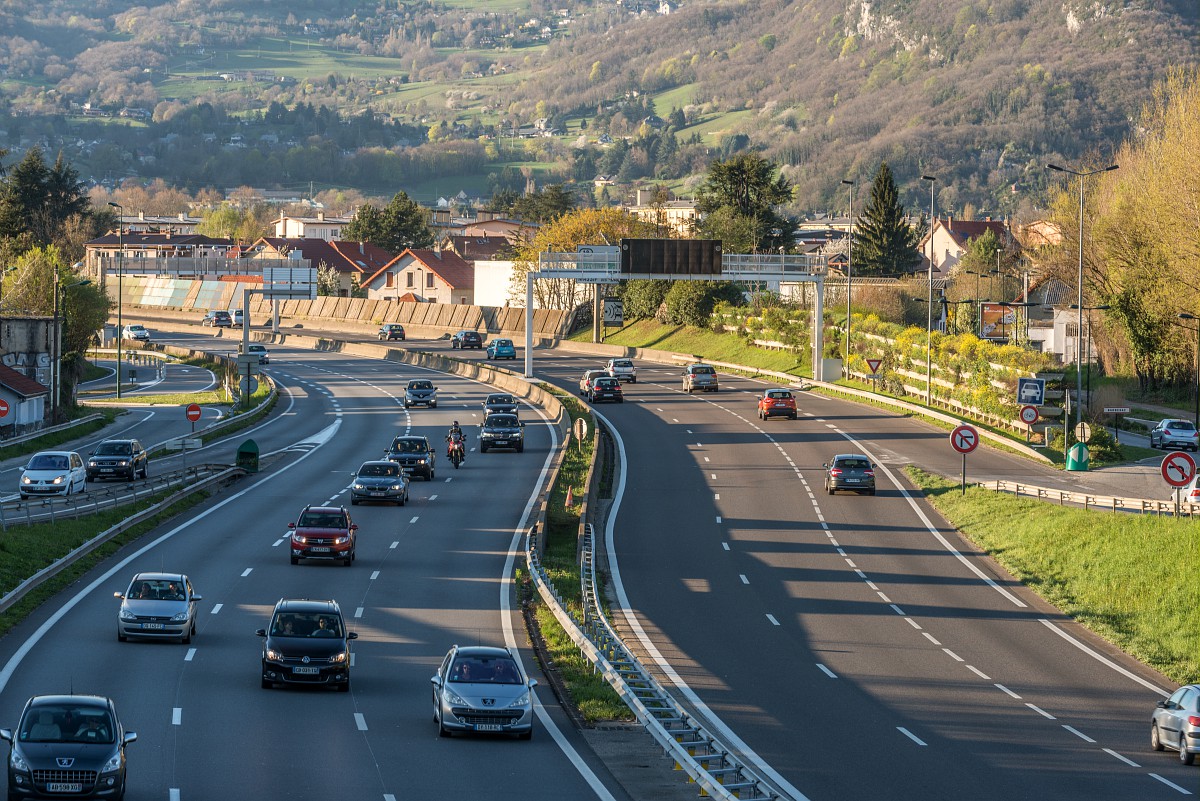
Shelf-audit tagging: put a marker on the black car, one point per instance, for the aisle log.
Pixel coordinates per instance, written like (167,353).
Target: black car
(466,339)
(390,331)
(218,319)
(850,471)
(501,430)
(606,389)
(414,456)
(420,392)
(499,402)
(307,643)
(117,458)
(68,746)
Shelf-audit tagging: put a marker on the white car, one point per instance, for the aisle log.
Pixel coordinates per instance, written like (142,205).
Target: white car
(136,331)
(622,370)
(257,349)
(53,473)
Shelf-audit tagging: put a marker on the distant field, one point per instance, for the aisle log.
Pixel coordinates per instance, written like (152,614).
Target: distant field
(711,129)
(493,6)
(674,98)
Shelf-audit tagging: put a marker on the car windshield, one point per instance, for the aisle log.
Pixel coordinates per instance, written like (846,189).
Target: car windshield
(322,520)
(409,446)
(502,421)
(623,363)
(137,328)
(607,383)
(114,449)
(420,385)
(779,395)
(306,624)
(156,590)
(66,723)
(485,670)
(258,348)
(1180,425)
(852,464)
(702,370)
(48,461)
(500,399)
(376,470)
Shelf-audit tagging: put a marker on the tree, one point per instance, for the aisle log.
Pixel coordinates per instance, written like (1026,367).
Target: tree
(401,224)
(740,195)
(37,202)
(692,302)
(328,280)
(545,206)
(885,244)
(644,297)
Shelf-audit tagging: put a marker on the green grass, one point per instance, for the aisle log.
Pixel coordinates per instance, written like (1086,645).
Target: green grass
(1129,578)
(712,128)
(713,346)
(56,438)
(212,397)
(678,97)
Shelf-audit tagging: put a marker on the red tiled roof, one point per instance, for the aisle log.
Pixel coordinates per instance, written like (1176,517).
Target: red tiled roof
(22,385)
(480,248)
(447,265)
(359,258)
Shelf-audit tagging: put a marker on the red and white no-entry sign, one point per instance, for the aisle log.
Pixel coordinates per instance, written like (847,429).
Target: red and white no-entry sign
(964,438)
(1178,469)
(193,412)
(3,408)
(1029,415)
(874,365)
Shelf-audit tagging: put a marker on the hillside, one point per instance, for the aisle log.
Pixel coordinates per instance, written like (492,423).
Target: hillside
(208,93)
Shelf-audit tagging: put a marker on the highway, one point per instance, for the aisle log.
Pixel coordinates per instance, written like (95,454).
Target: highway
(851,647)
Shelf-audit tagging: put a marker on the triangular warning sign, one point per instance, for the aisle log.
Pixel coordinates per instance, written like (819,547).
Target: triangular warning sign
(874,365)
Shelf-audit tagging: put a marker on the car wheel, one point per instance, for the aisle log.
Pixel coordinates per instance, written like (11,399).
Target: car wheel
(24,497)
(295,560)
(526,735)
(1186,757)
(403,500)
(187,636)
(829,489)
(430,476)
(353,501)
(792,417)
(871,491)
(88,478)
(121,637)
(483,448)
(633,380)
(1155,740)
(433,405)
(521,448)
(344,687)
(267,685)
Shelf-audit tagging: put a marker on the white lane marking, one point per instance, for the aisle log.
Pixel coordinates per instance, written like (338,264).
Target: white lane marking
(955,656)
(433,497)
(871,584)
(1103,659)
(278,542)
(716,496)
(742,576)
(1078,733)
(177,716)
(1044,713)
(886,599)
(911,736)
(374,575)
(1007,691)
(979,673)
(931,638)
(725,545)
(913,623)
(415,519)
(718,518)
(849,561)
(771,618)
(173,794)
(1170,784)
(216,608)
(358,612)
(360,721)
(247,572)
(706,458)
(190,655)
(352,655)
(392,547)
(389,797)
(898,610)
(827,671)
(861,574)
(714,476)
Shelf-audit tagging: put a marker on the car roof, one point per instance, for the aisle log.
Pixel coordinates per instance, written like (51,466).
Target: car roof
(410,437)
(98,701)
(53,453)
(323,509)
(159,577)
(307,605)
(116,439)
(378,462)
(850,456)
(482,650)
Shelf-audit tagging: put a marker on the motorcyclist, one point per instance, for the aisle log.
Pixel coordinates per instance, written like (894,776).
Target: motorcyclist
(456,438)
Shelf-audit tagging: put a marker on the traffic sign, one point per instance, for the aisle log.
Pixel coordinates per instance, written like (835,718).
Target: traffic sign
(1116,410)
(874,365)
(964,439)
(248,386)
(1083,432)
(1031,391)
(1029,415)
(1178,469)
(193,412)
(3,408)
(580,428)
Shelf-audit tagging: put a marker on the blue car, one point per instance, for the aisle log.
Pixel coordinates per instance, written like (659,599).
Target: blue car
(501,349)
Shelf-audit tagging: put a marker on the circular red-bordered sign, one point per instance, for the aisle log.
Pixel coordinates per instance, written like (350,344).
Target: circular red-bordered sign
(964,438)
(1178,469)
(1029,415)
(3,408)
(193,412)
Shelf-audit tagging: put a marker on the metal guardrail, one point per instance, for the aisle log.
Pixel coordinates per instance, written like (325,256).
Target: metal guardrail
(49,430)
(1113,503)
(708,762)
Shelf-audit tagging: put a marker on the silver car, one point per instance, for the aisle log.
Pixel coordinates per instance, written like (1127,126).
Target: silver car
(1175,434)
(482,689)
(850,471)
(379,481)
(1175,723)
(158,606)
(53,473)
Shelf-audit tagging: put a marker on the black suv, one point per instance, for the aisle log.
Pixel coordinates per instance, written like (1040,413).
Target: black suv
(390,331)
(466,339)
(117,458)
(414,456)
(502,430)
(218,319)
(499,402)
(307,643)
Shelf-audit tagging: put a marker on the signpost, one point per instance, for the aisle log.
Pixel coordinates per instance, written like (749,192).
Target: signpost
(1178,469)
(874,365)
(964,439)
(1083,432)
(1029,416)
(580,428)
(1031,391)
(193,414)
(1118,411)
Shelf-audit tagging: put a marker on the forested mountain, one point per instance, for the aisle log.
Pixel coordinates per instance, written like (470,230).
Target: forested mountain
(213,93)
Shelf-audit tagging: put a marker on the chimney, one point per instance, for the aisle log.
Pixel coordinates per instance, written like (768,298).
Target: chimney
(949,222)
(362,247)
(321,216)
(142,216)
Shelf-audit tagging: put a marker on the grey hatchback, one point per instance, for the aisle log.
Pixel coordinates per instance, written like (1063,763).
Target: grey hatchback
(850,471)
(1175,434)
(1176,723)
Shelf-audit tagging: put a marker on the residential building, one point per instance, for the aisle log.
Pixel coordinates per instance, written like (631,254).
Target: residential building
(179,224)
(352,261)
(952,237)
(670,215)
(428,275)
(318,227)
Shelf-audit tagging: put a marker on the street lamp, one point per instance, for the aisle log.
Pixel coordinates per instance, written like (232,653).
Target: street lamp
(929,324)
(1082,176)
(1089,310)
(849,270)
(1186,316)
(120,285)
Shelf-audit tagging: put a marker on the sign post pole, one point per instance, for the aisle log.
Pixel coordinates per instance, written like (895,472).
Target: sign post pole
(964,439)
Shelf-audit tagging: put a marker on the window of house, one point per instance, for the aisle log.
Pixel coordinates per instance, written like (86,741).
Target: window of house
(390,280)
(410,280)
(429,280)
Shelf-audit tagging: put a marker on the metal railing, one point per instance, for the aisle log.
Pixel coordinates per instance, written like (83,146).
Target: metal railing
(1112,503)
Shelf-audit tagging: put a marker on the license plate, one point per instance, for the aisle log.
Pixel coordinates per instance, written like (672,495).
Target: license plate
(63,787)
(850,480)
(152,625)
(319,550)
(781,406)
(306,671)
(106,469)
(378,494)
(488,727)
(500,442)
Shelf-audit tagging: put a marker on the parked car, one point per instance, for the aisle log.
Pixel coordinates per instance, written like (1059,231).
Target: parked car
(118,458)
(466,339)
(776,403)
(52,473)
(323,532)
(1175,723)
(158,606)
(499,402)
(67,746)
(390,331)
(699,377)
(306,643)
(217,319)
(1175,434)
(482,689)
(258,349)
(501,430)
(136,332)
(622,370)
(585,383)
(420,392)
(606,388)
(379,481)
(414,456)
(850,471)
(501,349)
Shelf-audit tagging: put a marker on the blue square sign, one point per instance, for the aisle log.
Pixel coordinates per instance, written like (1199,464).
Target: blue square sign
(1031,391)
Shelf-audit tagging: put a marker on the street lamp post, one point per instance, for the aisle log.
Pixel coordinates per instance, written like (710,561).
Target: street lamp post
(120,285)
(1186,316)
(929,324)
(1082,176)
(849,270)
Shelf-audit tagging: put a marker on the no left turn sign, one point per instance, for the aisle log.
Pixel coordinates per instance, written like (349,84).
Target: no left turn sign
(964,438)
(1178,469)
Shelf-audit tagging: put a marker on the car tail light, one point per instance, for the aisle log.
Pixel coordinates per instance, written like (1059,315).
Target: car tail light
(870,473)
(1194,720)
(837,471)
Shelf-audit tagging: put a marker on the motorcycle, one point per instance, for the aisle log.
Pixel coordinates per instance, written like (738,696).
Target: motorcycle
(456,453)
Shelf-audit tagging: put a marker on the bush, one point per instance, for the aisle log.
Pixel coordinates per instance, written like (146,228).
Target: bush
(692,302)
(642,298)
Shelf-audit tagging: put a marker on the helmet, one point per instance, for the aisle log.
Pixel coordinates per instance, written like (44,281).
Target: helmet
(454,424)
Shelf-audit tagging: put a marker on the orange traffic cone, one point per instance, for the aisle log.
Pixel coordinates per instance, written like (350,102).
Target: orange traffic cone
(570,497)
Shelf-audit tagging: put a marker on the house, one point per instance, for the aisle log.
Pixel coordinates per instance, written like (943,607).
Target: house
(478,248)
(678,216)
(498,227)
(952,237)
(152,223)
(318,227)
(134,252)
(24,400)
(429,275)
(352,261)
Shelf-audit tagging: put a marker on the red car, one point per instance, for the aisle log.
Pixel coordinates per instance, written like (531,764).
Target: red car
(323,532)
(776,403)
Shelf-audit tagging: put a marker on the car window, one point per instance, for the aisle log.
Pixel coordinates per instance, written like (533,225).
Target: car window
(66,723)
(113,449)
(1180,425)
(778,394)
(322,520)
(420,385)
(409,446)
(852,464)
(502,420)
(485,670)
(607,383)
(501,399)
(45,461)
(702,370)
(379,470)
(623,363)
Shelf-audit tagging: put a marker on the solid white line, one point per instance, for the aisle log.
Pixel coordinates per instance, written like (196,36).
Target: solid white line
(247,572)
(1044,713)
(725,545)
(358,612)
(216,608)
(771,618)
(392,547)
(1103,659)
(931,638)
(827,671)
(176,716)
(1124,759)
(1007,691)
(742,576)
(953,655)
(911,736)
(374,575)
(1170,784)
(191,653)
(1078,733)
(360,721)
(979,673)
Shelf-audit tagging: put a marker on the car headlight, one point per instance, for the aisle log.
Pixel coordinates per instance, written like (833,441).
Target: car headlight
(123,463)
(454,698)
(272,655)
(113,763)
(358,486)
(299,539)
(16,761)
(521,700)
(127,615)
(341,540)
(420,461)
(26,480)
(179,618)
(58,479)
(91,462)
(338,658)
(397,486)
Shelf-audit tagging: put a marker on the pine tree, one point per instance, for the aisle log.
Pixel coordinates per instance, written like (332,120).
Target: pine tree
(885,244)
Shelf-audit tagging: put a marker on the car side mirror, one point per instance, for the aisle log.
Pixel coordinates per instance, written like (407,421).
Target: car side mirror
(6,734)
(826,464)
(118,595)
(434,680)
(130,737)
(352,635)
(197,598)
(522,424)
(758,396)
(261,632)
(354,526)
(532,683)
(291,525)
(1161,705)
(431,450)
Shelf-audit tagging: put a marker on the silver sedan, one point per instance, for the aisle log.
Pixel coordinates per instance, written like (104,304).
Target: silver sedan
(379,481)
(1175,723)
(158,606)
(482,689)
